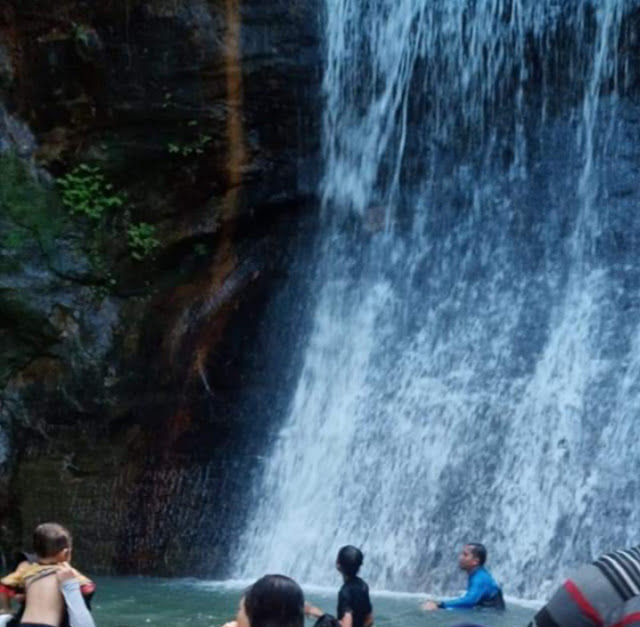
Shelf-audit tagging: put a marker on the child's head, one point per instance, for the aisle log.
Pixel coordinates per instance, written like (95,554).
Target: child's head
(326,620)
(52,541)
(349,560)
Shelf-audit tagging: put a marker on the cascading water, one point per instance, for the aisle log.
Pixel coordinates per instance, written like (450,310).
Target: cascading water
(473,366)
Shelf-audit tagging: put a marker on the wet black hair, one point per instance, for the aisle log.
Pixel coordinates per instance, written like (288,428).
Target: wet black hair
(478,551)
(350,559)
(274,601)
(327,620)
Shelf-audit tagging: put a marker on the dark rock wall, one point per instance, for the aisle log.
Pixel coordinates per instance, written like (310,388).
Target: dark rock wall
(135,394)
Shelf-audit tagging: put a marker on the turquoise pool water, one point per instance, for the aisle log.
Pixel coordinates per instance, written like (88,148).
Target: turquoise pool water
(142,602)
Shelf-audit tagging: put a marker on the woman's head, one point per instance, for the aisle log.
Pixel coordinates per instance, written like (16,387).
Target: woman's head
(272,601)
(349,560)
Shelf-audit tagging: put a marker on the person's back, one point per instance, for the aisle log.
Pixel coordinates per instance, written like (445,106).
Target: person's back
(605,592)
(488,592)
(354,598)
(44,603)
(354,604)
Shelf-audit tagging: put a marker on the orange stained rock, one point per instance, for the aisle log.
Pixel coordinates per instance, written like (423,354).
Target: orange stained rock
(211,320)
(224,260)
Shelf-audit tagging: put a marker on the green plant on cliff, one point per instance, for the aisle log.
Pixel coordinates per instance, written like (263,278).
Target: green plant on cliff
(193,141)
(142,240)
(27,207)
(85,191)
(196,146)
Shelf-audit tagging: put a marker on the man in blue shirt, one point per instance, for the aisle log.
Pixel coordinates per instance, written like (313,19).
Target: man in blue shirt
(482,590)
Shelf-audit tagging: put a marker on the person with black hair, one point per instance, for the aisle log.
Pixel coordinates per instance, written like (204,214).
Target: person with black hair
(354,605)
(482,590)
(272,601)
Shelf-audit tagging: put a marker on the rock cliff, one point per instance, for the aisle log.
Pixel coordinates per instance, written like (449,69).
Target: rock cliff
(136,371)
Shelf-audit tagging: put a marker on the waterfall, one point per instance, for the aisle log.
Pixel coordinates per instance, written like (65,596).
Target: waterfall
(472,369)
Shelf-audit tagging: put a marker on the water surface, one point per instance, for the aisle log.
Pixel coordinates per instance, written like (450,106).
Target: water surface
(142,601)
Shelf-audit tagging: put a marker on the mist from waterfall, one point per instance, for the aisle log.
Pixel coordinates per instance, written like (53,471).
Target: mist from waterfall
(473,367)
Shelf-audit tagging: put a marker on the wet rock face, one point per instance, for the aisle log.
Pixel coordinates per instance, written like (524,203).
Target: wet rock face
(6,69)
(128,386)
